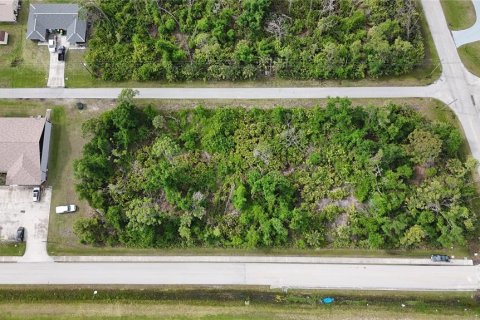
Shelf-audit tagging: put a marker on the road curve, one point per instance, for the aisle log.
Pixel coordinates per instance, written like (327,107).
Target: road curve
(368,277)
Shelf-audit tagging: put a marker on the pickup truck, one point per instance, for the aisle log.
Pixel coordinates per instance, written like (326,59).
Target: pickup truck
(61,53)
(66,209)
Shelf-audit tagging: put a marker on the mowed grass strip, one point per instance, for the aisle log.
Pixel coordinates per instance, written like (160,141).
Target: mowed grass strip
(159,310)
(460,14)
(470,55)
(12,248)
(228,303)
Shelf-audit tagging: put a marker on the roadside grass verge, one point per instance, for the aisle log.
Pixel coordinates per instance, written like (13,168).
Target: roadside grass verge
(67,144)
(460,14)
(470,55)
(12,248)
(227,303)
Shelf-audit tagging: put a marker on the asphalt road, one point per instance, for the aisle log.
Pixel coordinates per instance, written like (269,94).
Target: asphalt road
(268,274)
(456,87)
(223,93)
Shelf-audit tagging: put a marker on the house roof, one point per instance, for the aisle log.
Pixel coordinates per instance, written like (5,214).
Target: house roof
(20,150)
(3,35)
(7,10)
(44,16)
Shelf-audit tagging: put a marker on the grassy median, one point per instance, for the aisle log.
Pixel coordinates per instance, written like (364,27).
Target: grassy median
(460,14)
(470,55)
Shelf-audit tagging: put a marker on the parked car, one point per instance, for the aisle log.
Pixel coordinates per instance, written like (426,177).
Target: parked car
(66,209)
(52,45)
(20,234)
(36,194)
(61,53)
(440,258)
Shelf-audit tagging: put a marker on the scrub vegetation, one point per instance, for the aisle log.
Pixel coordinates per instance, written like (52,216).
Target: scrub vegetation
(240,40)
(339,176)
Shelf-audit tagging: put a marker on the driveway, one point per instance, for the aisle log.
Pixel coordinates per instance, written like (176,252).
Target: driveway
(56,74)
(17,209)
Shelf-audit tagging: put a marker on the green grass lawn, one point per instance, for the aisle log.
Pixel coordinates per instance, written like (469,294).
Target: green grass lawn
(229,303)
(460,14)
(22,62)
(470,55)
(12,248)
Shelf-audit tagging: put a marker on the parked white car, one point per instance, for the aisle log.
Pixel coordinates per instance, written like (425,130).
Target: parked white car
(66,209)
(36,194)
(52,45)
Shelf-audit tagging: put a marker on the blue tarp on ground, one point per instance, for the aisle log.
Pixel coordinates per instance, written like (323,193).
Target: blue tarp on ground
(327,300)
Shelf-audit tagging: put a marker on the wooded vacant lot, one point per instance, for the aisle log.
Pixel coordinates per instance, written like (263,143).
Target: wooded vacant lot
(234,40)
(338,176)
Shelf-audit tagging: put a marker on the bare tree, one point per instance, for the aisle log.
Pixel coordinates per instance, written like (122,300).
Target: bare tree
(278,25)
(328,7)
(408,17)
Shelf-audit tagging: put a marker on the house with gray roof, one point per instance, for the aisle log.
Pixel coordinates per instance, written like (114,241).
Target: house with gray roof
(47,18)
(24,150)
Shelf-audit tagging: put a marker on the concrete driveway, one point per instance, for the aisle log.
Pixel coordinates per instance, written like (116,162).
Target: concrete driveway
(56,74)
(17,209)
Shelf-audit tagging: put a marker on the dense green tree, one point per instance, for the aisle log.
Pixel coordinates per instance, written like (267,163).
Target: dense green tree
(338,176)
(234,40)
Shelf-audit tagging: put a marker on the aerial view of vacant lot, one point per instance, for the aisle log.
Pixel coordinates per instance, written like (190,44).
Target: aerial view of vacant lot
(251,159)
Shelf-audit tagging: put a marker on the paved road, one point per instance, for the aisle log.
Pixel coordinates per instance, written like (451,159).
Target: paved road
(459,88)
(225,93)
(273,275)
(471,34)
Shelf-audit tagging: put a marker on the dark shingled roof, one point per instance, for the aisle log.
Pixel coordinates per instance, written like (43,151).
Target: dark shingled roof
(55,16)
